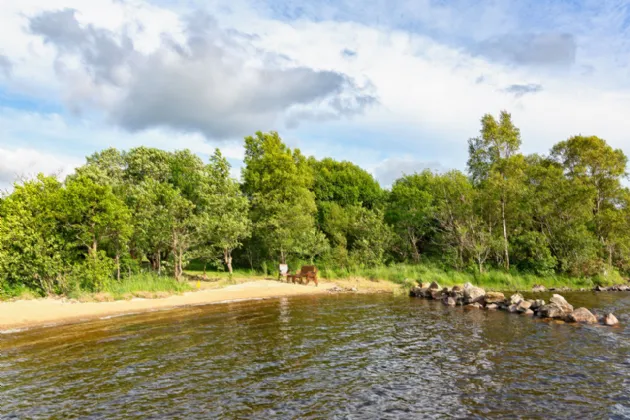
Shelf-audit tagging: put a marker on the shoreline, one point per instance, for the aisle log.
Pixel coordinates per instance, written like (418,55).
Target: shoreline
(48,312)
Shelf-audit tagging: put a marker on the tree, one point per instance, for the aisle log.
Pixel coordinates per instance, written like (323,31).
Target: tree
(223,221)
(33,249)
(278,180)
(91,214)
(411,209)
(492,161)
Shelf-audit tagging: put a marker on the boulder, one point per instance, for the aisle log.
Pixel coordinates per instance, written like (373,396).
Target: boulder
(557,307)
(513,308)
(425,285)
(528,312)
(516,298)
(449,301)
(599,288)
(434,286)
(562,303)
(610,319)
(473,294)
(537,304)
(492,307)
(494,297)
(416,291)
(436,294)
(551,310)
(582,315)
(474,305)
(523,306)
(538,288)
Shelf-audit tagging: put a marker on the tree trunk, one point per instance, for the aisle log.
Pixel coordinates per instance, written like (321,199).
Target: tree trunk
(505,236)
(159,264)
(282,257)
(414,246)
(118,266)
(227,255)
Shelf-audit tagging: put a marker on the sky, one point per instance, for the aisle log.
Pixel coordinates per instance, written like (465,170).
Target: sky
(395,86)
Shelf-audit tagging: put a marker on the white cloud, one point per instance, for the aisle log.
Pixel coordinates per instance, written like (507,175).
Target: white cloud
(432,94)
(24,163)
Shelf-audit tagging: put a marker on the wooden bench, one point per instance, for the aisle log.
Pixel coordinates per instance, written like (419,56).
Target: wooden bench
(307,272)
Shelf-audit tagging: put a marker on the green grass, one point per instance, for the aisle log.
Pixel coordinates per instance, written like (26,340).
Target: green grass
(408,275)
(145,285)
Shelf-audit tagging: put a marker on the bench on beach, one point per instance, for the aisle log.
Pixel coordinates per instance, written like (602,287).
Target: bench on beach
(305,275)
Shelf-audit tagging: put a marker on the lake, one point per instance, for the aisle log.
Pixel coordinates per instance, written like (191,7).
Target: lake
(322,357)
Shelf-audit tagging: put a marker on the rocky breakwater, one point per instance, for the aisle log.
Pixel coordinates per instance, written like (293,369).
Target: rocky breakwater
(474,297)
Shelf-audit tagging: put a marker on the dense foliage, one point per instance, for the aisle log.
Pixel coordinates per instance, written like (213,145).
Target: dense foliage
(152,210)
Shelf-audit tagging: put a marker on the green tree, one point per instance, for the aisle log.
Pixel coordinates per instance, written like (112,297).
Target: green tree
(411,209)
(492,161)
(33,249)
(278,182)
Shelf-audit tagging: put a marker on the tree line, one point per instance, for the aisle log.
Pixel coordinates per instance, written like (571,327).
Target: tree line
(148,209)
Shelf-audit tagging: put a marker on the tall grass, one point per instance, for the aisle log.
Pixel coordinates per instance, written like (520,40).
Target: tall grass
(145,284)
(407,274)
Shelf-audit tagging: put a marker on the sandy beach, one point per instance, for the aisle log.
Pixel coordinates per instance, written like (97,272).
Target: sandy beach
(50,311)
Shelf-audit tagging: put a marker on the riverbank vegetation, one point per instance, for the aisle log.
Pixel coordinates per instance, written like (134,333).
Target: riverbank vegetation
(513,220)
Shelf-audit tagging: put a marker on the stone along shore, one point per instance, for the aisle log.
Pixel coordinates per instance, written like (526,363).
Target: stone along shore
(476,297)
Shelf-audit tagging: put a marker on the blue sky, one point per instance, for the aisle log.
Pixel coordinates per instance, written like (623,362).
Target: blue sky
(396,86)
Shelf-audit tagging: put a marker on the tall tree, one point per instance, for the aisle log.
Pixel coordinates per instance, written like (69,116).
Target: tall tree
(491,160)
(278,182)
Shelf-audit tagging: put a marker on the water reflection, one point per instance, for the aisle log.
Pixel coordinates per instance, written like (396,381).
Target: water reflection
(342,356)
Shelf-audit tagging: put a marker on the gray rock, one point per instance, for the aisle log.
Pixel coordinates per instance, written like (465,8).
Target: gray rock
(494,297)
(562,303)
(557,308)
(537,304)
(516,298)
(449,301)
(473,294)
(523,306)
(434,285)
(436,294)
(583,316)
(476,305)
(513,308)
(492,307)
(610,319)
(539,288)
(528,312)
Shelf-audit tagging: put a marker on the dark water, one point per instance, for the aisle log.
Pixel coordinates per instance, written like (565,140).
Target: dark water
(342,356)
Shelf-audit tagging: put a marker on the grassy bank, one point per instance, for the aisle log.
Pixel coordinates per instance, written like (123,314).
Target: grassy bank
(145,285)
(408,275)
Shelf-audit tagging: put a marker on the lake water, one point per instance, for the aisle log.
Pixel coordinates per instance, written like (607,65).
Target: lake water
(322,357)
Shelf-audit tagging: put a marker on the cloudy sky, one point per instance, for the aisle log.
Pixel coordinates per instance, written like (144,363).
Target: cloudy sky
(395,86)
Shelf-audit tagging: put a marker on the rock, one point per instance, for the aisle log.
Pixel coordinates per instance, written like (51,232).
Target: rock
(494,297)
(523,306)
(436,294)
(558,307)
(512,308)
(457,289)
(492,307)
(562,303)
(476,305)
(516,298)
(449,301)
(416,291)
(623,288)
(583,316)
(425,285)
(538,288)
(537,304)
(434,286)
(528,312)
(473,294)
(610,319)
(599,288)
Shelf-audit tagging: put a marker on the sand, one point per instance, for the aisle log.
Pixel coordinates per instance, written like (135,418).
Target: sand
(42,312)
